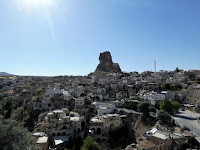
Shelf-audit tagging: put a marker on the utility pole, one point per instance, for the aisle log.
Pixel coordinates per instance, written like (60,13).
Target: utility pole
(155,67)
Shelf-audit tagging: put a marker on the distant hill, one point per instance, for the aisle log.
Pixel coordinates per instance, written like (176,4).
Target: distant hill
(5,74)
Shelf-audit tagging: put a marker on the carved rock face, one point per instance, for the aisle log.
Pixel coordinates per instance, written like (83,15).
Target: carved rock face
(106,64)
(105,57)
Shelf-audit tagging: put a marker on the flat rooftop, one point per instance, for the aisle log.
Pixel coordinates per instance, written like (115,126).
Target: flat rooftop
(41,140)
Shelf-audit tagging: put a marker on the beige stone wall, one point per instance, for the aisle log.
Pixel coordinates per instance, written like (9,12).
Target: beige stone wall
(164,144)
(44,146)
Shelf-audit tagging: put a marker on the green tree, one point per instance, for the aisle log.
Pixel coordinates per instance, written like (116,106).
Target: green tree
(7,108)
(152,109)
(130,105)
(90,144)
(166,105)
(15,137)
(176,106)
(176,70)
(163,116)
(169,106)
(167,86)
(144,108)
(177,87)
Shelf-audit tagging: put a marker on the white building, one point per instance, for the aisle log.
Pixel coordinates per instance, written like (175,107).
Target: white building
(103,108)
(152,97)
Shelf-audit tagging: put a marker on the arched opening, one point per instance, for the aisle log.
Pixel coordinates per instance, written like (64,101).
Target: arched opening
(53,134)
(93,129)
(83,124)
(98,130)
(64,133)
(58,134)
(64,127)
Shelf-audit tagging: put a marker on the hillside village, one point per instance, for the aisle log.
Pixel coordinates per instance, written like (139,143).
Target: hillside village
(108,105)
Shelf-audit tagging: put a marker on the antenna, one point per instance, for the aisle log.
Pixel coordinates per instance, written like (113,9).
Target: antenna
(154,66)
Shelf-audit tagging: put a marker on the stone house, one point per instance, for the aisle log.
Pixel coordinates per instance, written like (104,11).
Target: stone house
(103,108)
(165,140)
(100,126)
(42,142)
(193,94)
(61,122)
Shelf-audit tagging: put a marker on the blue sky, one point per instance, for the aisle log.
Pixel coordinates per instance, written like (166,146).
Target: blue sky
(65,37)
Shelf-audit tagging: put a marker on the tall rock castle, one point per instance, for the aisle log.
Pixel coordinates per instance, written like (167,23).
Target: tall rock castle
(106,64)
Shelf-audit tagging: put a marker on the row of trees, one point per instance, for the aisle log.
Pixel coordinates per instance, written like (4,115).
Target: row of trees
(170,107)
(146,108)
(166,107)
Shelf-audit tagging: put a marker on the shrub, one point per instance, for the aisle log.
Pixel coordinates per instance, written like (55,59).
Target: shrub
(184,128)
(7,108)
(163,116)
(13,136)
(90,144)
(130,105)
(144,108)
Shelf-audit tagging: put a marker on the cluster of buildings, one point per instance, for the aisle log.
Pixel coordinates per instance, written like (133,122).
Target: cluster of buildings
(90,104)
(155,139)
(59,127)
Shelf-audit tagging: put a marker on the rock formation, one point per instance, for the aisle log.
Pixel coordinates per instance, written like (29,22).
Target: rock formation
(106,64)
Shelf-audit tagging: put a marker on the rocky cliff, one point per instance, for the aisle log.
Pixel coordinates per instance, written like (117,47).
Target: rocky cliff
(106,64)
